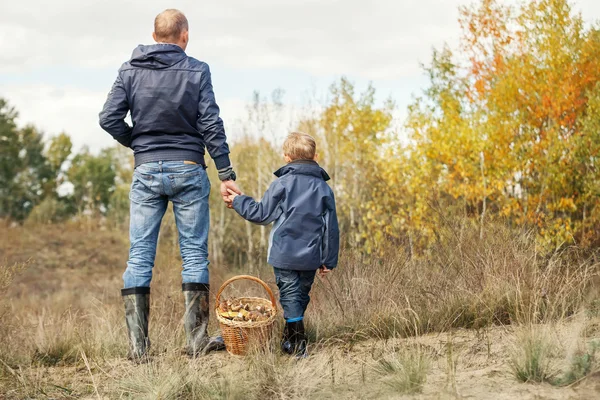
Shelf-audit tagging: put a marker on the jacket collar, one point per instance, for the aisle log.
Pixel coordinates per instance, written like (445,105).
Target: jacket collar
(303,167)
(157,56)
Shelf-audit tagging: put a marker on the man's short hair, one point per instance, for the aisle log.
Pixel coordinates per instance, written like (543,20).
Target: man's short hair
(169,25)
(300,146)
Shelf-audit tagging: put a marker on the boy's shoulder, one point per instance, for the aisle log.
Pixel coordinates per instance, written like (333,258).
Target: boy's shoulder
(304,177)
(289,180)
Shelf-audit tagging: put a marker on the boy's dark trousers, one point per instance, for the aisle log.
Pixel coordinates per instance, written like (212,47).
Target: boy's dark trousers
(294,288)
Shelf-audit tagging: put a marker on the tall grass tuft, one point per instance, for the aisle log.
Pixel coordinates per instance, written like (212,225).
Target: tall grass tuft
(405,370)
(155,380)
(532,358)
(8,273)
(271,375)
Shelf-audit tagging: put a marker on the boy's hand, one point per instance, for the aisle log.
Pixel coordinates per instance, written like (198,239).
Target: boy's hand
(232,195)
(323,271)
(226,187)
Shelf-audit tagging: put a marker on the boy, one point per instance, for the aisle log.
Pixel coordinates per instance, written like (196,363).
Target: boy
(305,236)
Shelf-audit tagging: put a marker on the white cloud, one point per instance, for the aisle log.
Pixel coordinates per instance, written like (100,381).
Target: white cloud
(373,40)
(378,39)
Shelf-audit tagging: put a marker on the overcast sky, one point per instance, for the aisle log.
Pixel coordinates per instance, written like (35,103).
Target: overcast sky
(59,58)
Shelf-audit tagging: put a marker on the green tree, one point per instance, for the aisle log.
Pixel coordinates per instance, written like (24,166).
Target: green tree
(24,171)
(9,156)
(122,159)
(57,152)
(93,180)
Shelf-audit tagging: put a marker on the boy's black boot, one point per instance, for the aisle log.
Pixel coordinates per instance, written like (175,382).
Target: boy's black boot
(296,339)
(137,311)
(286,345)
(195,321)
(300,339)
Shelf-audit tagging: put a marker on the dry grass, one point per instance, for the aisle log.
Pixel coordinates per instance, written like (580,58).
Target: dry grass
(534,355)
(405,369)
(63,331)
(462,282)
(7,274)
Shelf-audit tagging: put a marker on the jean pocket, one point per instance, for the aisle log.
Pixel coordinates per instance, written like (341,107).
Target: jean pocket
(190,186)
(141,187)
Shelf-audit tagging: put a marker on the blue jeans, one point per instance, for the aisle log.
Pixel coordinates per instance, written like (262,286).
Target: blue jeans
(294,288)
(154,185)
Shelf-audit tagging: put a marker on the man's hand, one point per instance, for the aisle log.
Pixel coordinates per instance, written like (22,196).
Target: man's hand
(323,271)
(225,187)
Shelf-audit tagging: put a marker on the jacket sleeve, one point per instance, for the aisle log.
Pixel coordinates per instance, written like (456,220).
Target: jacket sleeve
(261,212)
(112,116)
(332,234)
(210,124)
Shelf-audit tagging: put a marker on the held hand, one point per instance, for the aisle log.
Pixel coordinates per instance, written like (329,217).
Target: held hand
(225,187)
(232,195)
(323,271)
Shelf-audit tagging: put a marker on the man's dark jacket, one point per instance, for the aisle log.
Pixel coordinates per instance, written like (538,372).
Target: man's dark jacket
(173,108)
(305,234)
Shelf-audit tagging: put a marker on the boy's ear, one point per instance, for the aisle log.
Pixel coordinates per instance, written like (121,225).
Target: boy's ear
(287,158)
(316,157)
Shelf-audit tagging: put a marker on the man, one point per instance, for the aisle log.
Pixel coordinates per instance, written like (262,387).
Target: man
(175,116)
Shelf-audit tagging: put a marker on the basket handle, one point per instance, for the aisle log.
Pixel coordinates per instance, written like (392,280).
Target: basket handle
(250,278)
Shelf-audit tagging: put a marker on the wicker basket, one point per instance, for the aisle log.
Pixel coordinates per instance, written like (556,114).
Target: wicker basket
(239,336)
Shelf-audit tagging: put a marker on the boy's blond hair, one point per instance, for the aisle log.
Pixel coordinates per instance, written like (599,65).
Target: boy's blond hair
(300,146)
(169,25)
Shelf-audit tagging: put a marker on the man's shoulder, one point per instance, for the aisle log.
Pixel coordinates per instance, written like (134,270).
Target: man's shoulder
(125,66)
(196,64)
(189,63)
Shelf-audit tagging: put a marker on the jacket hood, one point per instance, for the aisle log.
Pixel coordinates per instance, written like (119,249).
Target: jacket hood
(157,56)
(303,167)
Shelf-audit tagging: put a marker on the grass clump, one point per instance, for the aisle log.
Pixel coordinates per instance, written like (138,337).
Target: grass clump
(271,375)
(405,370)
(582,365)
(532,357)
(155,381)
(8,273)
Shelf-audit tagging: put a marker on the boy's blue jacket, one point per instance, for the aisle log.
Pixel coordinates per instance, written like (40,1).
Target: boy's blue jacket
(305,234)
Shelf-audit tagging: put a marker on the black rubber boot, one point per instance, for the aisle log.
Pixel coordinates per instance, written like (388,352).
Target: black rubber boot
(294,339)
(286,345)
(195,321)
(137,311)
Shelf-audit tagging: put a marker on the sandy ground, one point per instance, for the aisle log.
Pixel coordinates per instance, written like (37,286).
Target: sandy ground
(476,365)
(464,365)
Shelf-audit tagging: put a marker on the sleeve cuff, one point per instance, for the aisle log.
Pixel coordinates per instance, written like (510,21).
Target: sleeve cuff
(124,140)
(222,161)
(237,200)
